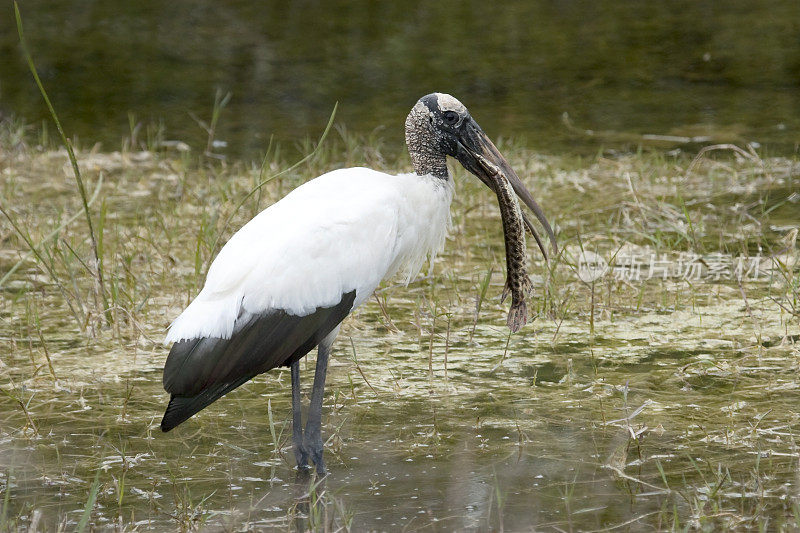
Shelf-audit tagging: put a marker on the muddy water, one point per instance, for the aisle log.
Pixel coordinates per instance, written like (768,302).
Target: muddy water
(667,403)
(564,433)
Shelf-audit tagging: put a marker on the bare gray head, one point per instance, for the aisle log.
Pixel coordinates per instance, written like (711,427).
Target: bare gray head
(429,132)
(439,125)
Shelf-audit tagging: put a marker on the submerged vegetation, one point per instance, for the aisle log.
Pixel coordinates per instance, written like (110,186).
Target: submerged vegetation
(657,386)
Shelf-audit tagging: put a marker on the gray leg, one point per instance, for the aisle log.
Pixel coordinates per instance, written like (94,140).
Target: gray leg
(313,434)
(300,453)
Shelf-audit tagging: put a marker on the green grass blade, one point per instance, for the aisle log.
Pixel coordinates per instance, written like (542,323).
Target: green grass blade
(34,249)
(73,160)
(87,510)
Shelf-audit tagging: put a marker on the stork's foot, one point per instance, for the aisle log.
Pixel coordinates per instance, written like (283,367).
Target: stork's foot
(308,449)
(302,481)
(308,444)
(315,448)
(308,454)
(300,455)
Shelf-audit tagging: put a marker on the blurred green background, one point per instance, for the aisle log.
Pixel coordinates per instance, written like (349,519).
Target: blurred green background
(728,70)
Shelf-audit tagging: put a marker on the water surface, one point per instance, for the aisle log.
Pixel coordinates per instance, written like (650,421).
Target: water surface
(630,404)
(719,72)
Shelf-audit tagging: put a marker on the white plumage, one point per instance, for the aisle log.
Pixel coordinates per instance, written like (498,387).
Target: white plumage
(347,229)
(283,283)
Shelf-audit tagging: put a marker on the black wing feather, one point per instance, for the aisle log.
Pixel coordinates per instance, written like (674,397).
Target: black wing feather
(200,371)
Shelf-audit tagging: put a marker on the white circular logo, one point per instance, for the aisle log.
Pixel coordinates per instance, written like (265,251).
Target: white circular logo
(591,266)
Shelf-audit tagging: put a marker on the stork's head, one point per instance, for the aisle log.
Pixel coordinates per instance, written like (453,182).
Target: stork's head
(439,125)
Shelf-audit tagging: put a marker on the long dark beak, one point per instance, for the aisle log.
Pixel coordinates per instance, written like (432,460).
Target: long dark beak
(481,157)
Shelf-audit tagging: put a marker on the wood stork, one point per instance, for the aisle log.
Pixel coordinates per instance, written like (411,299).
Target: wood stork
(285,281)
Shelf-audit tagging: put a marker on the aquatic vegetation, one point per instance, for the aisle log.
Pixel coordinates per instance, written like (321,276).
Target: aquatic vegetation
(660,390)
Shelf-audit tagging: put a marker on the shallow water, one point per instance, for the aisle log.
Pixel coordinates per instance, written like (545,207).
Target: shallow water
(628,403)
(544,435)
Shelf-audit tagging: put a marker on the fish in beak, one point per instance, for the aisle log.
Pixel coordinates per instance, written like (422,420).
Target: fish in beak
(478,154)
(439,126)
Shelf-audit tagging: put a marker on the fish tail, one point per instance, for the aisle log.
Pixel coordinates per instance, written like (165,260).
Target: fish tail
(517,315)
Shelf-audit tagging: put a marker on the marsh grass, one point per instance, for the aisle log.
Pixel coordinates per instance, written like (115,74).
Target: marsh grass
(652,403)
(97,270)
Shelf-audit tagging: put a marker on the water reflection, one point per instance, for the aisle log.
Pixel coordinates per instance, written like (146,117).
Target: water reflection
(726,71)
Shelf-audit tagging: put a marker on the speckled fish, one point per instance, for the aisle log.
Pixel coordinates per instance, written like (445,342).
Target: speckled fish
(497,174)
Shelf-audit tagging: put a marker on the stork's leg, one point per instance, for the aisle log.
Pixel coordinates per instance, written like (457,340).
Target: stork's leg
(313,433)
(300,452)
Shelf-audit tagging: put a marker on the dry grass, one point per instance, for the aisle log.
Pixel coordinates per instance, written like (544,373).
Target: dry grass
(638,403)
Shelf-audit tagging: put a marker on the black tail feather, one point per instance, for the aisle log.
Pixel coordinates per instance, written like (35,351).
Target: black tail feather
(202,370)
(181,408)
